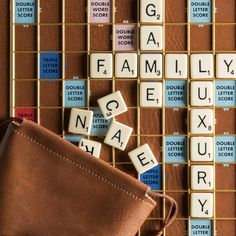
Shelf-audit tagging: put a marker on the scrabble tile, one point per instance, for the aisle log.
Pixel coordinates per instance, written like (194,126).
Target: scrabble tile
(118,135)
(101,65)
(143,158)
(151,65)
(112,105)
(126,65)
(151,37)
(202,93)
(150,94)
(201,149)
(80,121)
(226,65)
(176,66)
(201,205)
(91,147)
(202,177)
(201,121)
(151,11)
(202,66)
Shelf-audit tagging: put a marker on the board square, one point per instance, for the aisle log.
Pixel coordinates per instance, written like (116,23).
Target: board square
(50,66)
(25,11)
(75,93)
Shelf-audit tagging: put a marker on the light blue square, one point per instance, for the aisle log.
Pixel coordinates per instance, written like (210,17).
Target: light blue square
(25,11)
(153,178)
(200,227)
(225,93)
(100,125)
(225,150)
(175,149)
(50,66)
(175,93)
(200,11)
(74,138)
(75,93)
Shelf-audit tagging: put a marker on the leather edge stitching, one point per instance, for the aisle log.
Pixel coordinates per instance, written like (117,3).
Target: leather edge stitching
(83,168)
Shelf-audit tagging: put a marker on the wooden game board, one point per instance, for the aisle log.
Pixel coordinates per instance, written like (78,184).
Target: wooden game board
(50,46)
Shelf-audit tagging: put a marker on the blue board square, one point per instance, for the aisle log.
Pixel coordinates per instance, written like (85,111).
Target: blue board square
(74,138)
(153,178)
(175,93)
(200,227)
(225,150)
(50,66)
(75,93)
(25,11)
(225,93)
(200,11)
(100,125)
(175,149)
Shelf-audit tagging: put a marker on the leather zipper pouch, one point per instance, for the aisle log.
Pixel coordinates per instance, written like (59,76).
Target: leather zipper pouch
(48,186)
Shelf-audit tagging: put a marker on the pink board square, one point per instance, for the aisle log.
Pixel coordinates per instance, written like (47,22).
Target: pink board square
(125,37)
(27,113)
(100,11)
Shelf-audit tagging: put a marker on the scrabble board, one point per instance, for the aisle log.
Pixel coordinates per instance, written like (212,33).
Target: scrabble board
(174,62)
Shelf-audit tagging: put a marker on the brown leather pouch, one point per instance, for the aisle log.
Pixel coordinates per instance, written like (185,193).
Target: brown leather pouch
(50,187)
